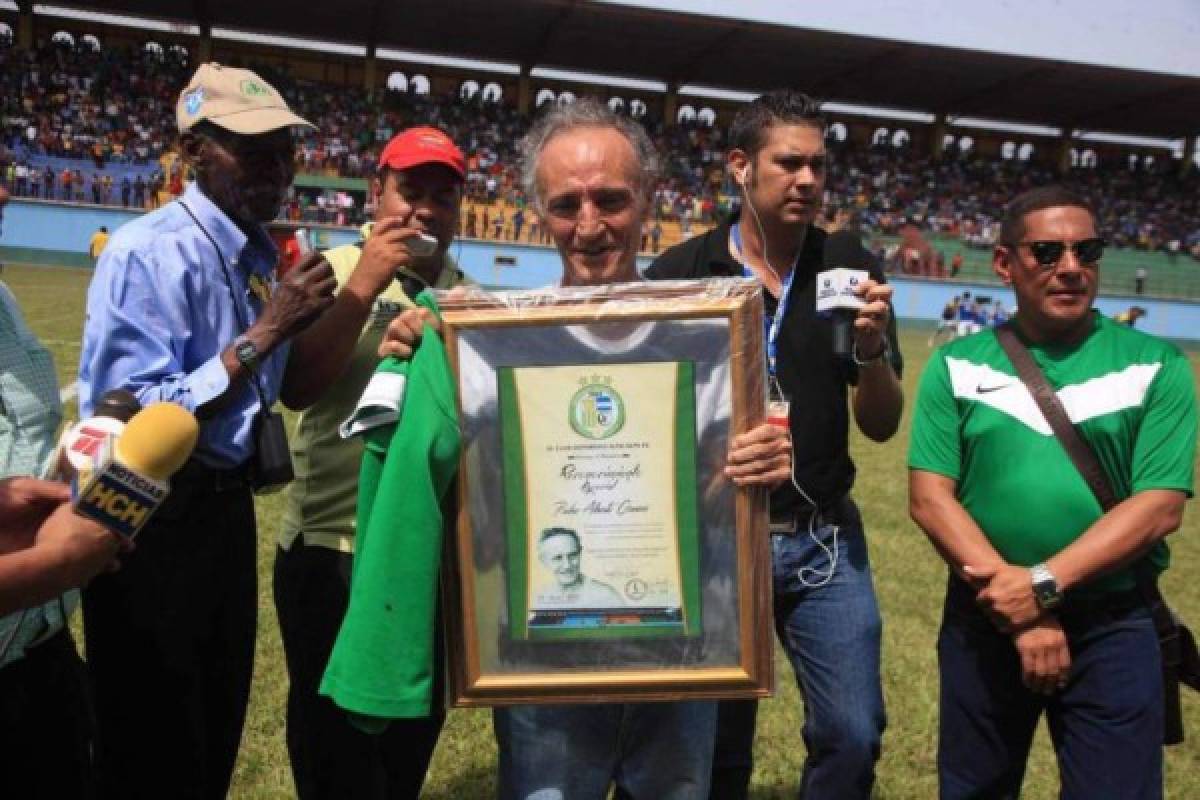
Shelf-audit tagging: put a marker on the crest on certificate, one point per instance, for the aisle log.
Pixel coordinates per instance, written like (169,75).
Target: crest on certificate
(597,410)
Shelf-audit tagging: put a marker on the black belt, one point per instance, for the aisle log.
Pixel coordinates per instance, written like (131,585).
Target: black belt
(198,475)
(796,520)
(1081,607)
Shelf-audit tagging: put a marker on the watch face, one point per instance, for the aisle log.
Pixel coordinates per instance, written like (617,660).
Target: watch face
(247,354)
(1045,587)
(1046,590)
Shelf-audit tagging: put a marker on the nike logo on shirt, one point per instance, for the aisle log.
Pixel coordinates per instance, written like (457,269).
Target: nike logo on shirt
(1106,394)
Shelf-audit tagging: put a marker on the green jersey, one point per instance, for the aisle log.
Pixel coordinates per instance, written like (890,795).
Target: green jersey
(1131,397)
(320,502)
(382,663)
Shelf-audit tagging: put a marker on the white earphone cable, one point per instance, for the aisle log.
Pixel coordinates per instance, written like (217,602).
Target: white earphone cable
(822,577)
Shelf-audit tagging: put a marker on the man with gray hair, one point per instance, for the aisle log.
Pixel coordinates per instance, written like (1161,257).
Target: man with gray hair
(561,553)
(591,174)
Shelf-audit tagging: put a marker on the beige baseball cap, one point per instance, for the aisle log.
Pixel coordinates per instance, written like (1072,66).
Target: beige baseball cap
(236,99)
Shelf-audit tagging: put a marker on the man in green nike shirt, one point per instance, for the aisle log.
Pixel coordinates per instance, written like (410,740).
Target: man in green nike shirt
(418,191)
(1042,610)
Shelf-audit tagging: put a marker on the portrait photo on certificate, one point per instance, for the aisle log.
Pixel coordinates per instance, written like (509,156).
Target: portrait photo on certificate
(599,550)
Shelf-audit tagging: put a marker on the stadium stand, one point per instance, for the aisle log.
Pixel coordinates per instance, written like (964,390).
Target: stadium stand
(87,124)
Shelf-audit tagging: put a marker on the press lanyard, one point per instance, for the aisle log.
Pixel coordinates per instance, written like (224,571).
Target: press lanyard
(243,325)
(774,325)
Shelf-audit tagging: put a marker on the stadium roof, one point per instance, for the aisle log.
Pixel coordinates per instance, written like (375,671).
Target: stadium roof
(702,50)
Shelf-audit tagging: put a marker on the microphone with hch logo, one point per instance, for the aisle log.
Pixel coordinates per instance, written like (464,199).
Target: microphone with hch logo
(128,481)
(843,267)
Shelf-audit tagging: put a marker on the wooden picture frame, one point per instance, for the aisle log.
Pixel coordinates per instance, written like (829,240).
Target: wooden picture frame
(599,554)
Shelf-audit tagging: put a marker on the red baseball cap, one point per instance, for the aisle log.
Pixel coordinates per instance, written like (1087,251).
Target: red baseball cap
(424,145)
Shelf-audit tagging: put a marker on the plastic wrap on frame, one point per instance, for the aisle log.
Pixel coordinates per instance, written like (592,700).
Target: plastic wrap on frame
(613,298)
(614,324)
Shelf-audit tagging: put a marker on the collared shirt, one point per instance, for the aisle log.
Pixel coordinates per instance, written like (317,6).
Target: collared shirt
(30,413)
(160,310)
(30,410)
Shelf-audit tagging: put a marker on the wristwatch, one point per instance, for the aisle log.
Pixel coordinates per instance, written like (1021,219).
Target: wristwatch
(882,357)
(246,352)
(1045,587)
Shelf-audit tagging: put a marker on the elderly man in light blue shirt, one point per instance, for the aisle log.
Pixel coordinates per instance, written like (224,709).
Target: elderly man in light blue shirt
(185,308)
(165,302)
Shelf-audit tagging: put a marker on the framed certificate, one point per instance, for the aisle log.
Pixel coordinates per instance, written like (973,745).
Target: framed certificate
(599,552)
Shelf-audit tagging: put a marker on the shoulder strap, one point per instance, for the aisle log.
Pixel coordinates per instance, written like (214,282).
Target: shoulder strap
(1080,453)
(1083,457)
(243,325)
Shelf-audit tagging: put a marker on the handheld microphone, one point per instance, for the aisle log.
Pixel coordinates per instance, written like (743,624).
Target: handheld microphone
(303,242)
(129,480)
(119,404)
(422,245)
(844,266)
(81,443)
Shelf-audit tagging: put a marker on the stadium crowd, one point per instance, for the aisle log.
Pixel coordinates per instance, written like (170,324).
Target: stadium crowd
(93,125)
(106,106)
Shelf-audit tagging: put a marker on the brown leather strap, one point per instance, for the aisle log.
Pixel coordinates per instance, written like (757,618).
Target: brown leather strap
(1084,459)
(1080,453)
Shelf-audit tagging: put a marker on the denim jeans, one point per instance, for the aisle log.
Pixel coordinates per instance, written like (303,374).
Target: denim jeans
(1106,724)
(651,751)
(831,632)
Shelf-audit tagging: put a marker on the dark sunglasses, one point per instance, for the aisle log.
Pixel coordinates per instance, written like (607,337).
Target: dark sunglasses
(1048,254)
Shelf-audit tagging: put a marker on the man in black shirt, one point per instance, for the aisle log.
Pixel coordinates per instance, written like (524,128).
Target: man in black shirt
(825,609)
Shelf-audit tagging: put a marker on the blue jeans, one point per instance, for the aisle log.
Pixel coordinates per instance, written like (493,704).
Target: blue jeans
(831,632)
(1106,724)
(651,751)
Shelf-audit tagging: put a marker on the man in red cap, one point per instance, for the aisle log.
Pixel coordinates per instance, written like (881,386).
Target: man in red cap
(417,191)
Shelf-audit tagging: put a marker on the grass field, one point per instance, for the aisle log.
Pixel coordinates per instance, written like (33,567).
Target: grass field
(908,575)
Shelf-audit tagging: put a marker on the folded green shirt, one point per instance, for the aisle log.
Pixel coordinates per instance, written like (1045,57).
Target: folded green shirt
(383,660)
